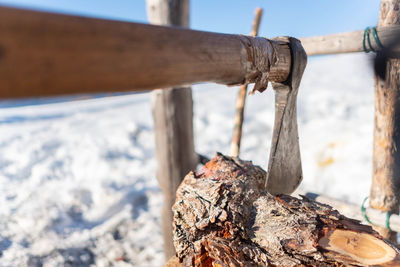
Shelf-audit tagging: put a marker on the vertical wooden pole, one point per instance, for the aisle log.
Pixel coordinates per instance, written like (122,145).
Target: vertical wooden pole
(385,188)
(173,125)
(241,99)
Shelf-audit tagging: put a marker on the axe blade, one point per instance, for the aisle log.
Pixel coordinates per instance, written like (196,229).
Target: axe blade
(284,167)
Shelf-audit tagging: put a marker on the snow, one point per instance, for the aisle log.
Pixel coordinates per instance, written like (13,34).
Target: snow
(77,179)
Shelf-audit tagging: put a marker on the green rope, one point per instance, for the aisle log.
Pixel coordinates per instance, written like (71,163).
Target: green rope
(369,41)
(363,211)
(364,214)
(387,221)
(366,32)
(367,38)
(376,38)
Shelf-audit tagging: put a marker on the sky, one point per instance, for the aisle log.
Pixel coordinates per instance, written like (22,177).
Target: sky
(281,17)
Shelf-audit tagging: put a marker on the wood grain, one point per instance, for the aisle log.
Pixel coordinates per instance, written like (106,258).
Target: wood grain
(46,54)
(361,247)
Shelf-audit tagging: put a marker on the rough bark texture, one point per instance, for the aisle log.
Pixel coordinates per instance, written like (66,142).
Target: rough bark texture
(173,122)
(385,188)
(351,210)
(172,113)
(224,217)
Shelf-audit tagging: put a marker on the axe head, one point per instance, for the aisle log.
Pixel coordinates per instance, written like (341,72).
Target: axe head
(284,167)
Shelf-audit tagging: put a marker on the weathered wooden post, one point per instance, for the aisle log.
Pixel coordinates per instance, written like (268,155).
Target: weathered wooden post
(173,124)
(385,188)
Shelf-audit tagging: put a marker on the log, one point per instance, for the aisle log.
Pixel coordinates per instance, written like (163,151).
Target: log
(385,188)
(43,54)
(376,217)
(224,217)
(241,98)
(173,122)
(348,42)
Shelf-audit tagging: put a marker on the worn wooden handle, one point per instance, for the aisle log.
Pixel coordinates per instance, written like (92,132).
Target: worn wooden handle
(51,54)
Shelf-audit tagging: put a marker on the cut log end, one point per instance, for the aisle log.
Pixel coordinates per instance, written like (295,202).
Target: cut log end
(224,217)
(361,247)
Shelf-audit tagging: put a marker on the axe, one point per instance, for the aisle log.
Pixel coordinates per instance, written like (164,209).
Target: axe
(284,167)
(44,54)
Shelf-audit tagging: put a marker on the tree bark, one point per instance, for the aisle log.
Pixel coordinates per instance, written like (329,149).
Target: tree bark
(385,188)
(173,122)
(224,217)
(376,217)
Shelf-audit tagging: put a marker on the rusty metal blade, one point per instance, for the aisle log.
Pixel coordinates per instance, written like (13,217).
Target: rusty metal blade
(284,167)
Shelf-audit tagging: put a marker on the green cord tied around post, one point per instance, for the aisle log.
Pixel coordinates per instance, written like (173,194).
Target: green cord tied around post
(367,39)
(387,220)
(364,214)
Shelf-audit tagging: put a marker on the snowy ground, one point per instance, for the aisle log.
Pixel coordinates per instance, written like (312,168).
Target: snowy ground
(77,184)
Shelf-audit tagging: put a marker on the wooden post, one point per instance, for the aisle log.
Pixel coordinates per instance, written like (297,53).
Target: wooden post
(385,188)
(173,124)
(241,99)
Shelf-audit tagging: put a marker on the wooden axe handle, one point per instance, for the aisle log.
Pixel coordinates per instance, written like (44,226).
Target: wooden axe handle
(44,54)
